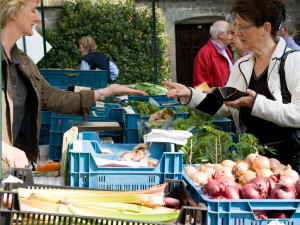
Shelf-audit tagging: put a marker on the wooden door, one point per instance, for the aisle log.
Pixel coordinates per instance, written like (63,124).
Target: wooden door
(189,39)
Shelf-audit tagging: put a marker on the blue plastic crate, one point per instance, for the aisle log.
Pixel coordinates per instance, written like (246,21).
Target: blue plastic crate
(84,172)
(60,123)
(45,128)
(134,126)
(240,211)
(63,78)
(224,124)
(46,117)
(44,134)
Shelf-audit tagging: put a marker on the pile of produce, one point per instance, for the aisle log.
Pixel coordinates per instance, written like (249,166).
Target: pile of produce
(257,177)
(142,108)
(150,89)
(140,154)
(147,205)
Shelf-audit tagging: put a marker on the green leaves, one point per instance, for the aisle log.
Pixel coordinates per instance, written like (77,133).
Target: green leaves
(122,32)
(209,144)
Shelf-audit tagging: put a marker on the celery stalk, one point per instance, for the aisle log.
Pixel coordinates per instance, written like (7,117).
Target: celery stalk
(120,206)
(93,211)
(23,192)
(151,200)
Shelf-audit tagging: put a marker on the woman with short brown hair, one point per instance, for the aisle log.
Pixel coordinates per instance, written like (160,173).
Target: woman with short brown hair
(262,112)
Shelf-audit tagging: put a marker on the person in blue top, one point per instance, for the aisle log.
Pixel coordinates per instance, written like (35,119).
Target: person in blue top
(92,60)
(287,31)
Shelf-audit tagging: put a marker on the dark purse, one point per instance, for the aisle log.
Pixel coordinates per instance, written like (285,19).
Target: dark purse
(286,98)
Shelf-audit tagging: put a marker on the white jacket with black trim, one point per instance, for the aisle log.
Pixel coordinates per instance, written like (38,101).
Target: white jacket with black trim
(285,115)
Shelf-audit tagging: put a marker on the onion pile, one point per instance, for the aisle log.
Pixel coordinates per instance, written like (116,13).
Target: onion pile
(257,177)
(260,162)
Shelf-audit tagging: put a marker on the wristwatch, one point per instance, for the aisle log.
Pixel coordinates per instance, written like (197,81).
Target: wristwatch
(101,94)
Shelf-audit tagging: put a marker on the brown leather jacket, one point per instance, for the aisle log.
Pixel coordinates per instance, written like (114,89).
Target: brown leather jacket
(48,97)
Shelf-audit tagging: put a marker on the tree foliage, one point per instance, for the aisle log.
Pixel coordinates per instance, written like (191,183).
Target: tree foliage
(123,32)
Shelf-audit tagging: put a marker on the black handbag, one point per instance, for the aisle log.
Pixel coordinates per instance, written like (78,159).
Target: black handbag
(286,98)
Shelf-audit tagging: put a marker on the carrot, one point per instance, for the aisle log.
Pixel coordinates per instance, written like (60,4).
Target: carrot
(48,167)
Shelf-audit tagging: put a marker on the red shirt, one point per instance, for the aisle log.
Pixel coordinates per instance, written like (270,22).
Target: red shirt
(211,66)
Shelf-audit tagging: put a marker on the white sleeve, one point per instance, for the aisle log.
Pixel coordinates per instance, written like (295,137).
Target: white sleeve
(84,65)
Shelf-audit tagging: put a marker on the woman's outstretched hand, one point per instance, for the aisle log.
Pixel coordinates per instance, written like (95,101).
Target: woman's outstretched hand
(178,91)
(117,89)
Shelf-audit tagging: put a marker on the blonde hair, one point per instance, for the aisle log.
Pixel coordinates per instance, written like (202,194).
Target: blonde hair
(10,9)
(88,44)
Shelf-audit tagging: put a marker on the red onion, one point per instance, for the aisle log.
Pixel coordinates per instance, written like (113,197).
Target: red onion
(252,191)
(232,192)
(260,214)
(262,183)
(273,180)
(218,174)
(283,179)
(287,180)
(220,197)
(213,188)
(227,181)
(297,186)
(282,192)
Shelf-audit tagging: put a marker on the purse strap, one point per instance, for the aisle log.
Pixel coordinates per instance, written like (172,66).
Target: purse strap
(286,95)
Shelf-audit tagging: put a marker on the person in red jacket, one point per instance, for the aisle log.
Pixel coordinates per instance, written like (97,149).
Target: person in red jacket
(214,61)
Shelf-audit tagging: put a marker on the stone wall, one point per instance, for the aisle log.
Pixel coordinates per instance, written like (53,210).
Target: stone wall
(199,11)
(178,12)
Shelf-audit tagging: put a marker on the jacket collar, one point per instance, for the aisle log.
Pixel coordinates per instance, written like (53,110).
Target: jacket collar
(213,48)
(246,65)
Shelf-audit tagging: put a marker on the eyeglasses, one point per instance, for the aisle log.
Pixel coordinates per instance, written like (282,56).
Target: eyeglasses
(242,28)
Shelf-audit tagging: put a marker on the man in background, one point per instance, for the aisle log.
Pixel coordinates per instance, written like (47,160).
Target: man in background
(287,31)
(214,61)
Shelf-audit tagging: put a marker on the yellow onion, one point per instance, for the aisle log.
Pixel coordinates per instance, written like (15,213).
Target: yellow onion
(264,173)
(200,178)
(227,172)
(240,168)
(250,158)
(189,170)
(274,163)
(209,172)
(228,163)
(278,170)
(248,176)
(260,162)
(204,166)
(292,173)
(218,167)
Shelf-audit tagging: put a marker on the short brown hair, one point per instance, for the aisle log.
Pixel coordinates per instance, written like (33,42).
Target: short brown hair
(10,9)
(88,44)
(260,12)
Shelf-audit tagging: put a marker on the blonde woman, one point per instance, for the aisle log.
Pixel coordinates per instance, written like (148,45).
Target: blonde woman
(25,92)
